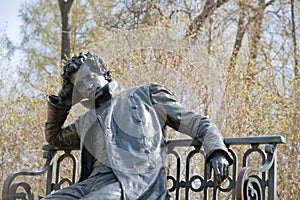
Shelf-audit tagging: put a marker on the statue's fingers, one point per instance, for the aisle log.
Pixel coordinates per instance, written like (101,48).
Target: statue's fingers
(218,178)
(208,170)
(217,172)
(223,172)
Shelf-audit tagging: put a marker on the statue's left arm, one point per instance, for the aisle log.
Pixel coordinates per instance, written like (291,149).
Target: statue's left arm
(195,125)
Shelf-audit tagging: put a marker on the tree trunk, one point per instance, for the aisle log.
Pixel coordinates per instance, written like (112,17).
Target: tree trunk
(255,31)
(197,23)
(295,115)
(65,7)
(239,38)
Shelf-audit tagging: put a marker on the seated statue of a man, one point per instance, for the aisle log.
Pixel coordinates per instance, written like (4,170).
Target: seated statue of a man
(122,136)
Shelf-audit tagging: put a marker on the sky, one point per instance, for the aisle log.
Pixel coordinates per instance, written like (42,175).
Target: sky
(9,18)
(10,22)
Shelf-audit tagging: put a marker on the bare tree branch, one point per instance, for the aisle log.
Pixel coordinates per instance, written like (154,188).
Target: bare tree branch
(197,23)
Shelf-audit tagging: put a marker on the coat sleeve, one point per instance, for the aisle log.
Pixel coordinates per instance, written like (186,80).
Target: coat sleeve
(55,133)
(185,121)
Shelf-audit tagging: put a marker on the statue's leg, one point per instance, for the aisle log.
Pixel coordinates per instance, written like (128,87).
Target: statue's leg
(75,191)
(107,187)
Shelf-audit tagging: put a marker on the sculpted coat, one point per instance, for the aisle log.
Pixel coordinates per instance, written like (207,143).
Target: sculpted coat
(127,134)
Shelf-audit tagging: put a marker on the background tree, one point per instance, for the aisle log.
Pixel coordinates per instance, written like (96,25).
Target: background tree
(66,28)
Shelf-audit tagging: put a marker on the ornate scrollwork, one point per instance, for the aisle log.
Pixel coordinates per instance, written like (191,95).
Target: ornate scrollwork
(252,186)
(229,186)
(195,178)
(20,195)
(174,185)
(60,159)
(9,190)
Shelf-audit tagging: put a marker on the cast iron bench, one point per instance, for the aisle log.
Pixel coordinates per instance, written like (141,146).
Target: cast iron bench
(246,181)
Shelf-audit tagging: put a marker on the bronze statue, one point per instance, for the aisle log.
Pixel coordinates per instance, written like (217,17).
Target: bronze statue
(123,136)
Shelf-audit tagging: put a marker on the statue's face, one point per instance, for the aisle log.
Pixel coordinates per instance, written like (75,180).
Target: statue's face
(87,80)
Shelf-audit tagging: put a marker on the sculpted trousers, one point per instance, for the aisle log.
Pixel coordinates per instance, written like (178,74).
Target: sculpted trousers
(102,187)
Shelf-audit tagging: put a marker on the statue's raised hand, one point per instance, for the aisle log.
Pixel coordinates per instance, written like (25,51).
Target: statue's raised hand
(65,94)
(68,95)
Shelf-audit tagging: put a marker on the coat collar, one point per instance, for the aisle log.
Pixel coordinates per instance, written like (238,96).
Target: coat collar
(114,88)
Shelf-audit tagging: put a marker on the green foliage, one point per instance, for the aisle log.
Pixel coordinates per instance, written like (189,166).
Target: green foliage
(21,134)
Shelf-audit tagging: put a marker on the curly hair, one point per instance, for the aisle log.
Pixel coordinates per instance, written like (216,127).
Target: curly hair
(71,66)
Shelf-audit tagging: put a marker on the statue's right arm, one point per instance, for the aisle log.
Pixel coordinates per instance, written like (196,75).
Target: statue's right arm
(55,133)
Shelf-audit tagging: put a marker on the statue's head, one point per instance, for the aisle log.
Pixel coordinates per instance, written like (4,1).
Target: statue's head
(87,72)
(94,61)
